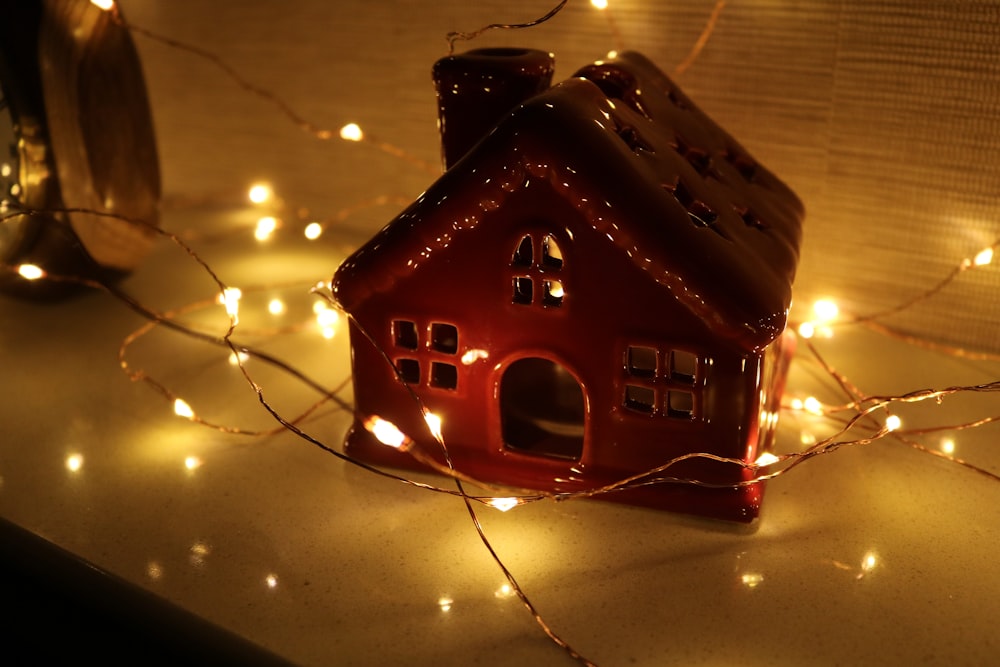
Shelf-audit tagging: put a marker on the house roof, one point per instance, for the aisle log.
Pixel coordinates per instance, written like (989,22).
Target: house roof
(646,169)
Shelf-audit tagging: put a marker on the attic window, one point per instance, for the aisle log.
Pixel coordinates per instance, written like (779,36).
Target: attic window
(404,333)
(537,270)
(523,252)
(553,293)
(523,290)
(551,254)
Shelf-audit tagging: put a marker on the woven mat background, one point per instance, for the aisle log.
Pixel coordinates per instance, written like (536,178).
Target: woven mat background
(882,115)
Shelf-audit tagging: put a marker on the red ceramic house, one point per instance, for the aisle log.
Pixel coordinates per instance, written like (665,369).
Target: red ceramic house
(598,286)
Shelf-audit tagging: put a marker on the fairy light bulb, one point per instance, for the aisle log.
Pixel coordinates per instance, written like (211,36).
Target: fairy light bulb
(327,319)
(313,231)
(807,330)
(230,298)
(983,257)
(766,459)
(182,409)
(260,193)
(948,446)
(265,228)
(826,310)
(74,462)
(869,562)
(386,432)
(893,423)
(276,306)
(31,271)
(812,405)
(503,504)
(106,5)
(237,358)
(445,603)
(434,424)
(271,581)
(351,132)
(192,462)
(599,4)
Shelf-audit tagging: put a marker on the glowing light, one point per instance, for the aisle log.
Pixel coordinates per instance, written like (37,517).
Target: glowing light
(807,438)
(106,5)
(505,591)
(74,462)
(351,132)
(265,227)
(504,504)
(192,462)
(869,562)
(271,581)
(766,459)
(893,422)
(472,356)
(260,193)
(599,4)
(154,570)
(5,170)
(796,404)
(826,310)
(230,298)
(807,330)
(752,579)
(812,405)
(31,271)
(327,319)
(948,446)
(434,424)
(276,306)
(386,432)
(984,257)
(237,358)
(182,409)
(445,603)
(198,552)
(313,231)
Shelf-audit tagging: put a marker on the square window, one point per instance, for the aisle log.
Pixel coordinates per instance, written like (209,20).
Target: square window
(409,370)
(683,366)
(641,361)
(680,404)
(444,338)
(552,293)
(444,376)
(404,334)
(522,290)
(641,399)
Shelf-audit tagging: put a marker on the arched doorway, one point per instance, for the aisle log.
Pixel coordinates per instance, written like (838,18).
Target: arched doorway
(542,409)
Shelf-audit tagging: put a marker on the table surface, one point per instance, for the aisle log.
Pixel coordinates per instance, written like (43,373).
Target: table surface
(875,554)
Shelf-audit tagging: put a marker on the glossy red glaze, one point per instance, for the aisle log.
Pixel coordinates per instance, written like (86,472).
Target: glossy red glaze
(597,287)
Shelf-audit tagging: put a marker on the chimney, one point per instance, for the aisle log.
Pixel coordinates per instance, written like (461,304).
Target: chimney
(476,89)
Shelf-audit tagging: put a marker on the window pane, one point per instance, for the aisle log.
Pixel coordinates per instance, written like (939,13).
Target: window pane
(404,334)
(523,253)
(683,366)
(553,293)
(444,376)
(680,404)
(409,370)
(522,290)
(641,361)
(444,338)
(638,398)
(551,253)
